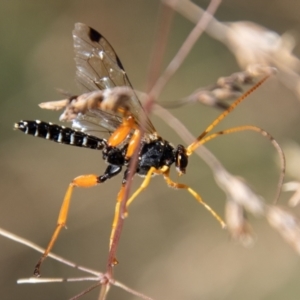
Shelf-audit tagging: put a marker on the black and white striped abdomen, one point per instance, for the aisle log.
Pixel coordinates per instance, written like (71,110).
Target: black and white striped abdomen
(60,134)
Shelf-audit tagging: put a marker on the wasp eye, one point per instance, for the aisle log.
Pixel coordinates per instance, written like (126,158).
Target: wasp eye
(181,161)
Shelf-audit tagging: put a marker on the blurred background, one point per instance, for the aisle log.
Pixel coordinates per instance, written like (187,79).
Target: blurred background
(171,247)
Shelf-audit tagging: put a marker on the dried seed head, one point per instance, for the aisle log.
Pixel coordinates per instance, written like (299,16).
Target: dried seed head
(286,224)
(226,88)
(238,191)
(293,186)
(237,224)
(54,105)
(252,43)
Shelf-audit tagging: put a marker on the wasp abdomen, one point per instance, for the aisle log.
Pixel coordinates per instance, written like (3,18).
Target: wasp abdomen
(60,134)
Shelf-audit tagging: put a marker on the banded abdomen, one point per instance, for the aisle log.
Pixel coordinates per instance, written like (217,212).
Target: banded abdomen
(60,134)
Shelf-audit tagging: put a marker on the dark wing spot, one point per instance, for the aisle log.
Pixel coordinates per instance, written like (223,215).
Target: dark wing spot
(94,35)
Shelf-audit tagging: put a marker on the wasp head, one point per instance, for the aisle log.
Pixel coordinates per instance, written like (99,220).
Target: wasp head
(181,159)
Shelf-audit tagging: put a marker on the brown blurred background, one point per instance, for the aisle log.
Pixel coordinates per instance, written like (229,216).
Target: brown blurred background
(171,248)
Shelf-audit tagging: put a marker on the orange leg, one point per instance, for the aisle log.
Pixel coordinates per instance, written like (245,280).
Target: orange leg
(120,198)
(263,133)
(117,212)
(144,184)
(83,181)
(194,194)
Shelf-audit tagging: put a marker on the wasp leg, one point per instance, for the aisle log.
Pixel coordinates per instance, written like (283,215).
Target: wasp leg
(265,134)
(144,184)
(83,181)
(177,185)
(120,197)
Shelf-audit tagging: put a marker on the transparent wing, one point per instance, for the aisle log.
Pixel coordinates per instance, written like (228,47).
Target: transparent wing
(98,67)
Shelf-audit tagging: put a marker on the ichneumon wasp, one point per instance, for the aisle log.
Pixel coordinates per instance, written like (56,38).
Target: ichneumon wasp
(108,117)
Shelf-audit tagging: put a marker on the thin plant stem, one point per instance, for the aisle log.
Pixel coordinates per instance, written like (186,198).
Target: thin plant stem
(152,96)
(100,277)
(184,49)
(160,43)
(37,248)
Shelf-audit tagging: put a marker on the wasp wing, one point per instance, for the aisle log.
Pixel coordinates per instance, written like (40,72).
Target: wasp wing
(98,67)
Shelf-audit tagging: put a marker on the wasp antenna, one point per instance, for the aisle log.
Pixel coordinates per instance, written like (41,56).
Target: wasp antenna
(265,134)
(191,148)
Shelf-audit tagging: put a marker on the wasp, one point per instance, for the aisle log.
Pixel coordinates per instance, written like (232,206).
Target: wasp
(109,117)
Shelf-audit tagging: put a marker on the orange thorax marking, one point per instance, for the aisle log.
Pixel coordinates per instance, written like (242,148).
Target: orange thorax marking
(134,142)
(120,134)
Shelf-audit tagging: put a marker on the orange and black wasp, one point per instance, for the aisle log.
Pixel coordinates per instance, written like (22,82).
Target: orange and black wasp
(108,118)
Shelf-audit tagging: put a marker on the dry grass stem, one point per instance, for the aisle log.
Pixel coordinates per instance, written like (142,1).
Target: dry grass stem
(98,276)
(259,52)
(251,44)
